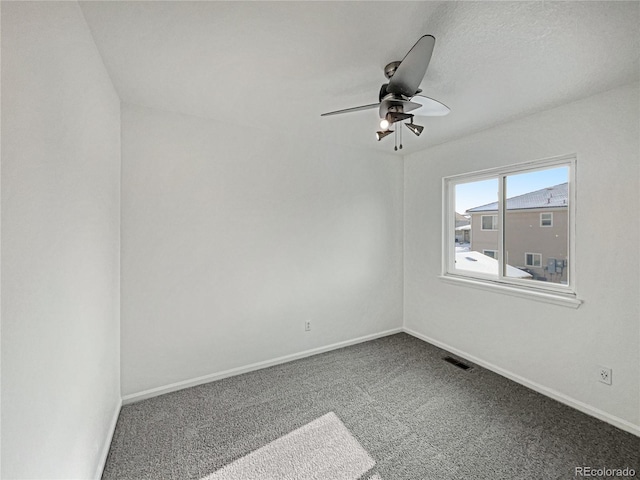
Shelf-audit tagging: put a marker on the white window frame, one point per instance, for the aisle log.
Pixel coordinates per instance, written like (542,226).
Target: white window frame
(494,223)
(533,256)
(551,219)
(560,294)
(495,253)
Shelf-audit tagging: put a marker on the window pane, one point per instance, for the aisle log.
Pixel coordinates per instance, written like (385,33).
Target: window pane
(546,219)
(477,208)
(536,229)
(532,260)
(489,222)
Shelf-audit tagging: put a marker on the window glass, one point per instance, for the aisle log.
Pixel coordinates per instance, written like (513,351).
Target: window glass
(533,259)
(546,219)
(483,224)
(536,229)
(489,222)
(513,225)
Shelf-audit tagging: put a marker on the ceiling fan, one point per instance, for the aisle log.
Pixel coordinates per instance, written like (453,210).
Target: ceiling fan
(400,96)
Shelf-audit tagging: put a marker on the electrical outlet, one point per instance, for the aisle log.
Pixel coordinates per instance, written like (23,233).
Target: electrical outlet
(307,326)
(604,375)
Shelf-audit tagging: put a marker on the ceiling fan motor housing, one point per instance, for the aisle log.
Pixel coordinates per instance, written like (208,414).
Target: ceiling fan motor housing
(394,107)
(383,92)
(391,68)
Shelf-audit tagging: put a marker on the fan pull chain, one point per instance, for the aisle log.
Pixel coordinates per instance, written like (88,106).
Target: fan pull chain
(395,134)
(400,135)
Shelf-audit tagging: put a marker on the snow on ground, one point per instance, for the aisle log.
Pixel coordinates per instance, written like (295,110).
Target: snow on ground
(463,247)
(477,262)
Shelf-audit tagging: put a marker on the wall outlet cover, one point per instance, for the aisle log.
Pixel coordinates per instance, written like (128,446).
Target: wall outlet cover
(604,374)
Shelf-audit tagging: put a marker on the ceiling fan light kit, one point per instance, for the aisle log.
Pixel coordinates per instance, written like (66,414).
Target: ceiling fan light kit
(416,129)
(381,134)
(400,96)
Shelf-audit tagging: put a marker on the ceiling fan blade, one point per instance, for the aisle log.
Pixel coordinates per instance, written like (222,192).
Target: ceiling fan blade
(354,109)
(406,79)
(429,107)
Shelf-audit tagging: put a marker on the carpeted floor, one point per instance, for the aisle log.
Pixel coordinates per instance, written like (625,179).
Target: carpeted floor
(389,409)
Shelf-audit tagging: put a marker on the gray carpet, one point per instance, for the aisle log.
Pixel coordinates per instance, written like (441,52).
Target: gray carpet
(389,409)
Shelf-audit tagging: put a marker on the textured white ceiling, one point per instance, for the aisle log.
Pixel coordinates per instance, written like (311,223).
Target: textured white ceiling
(281,64)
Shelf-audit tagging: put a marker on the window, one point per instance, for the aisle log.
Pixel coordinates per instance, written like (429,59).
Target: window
(489,222)
(533,259)
(546,219)
(506,207)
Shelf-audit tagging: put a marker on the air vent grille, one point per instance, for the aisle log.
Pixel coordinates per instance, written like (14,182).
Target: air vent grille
(457,363)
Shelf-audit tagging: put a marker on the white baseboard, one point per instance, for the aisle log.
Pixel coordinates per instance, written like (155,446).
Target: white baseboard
(549,392)
(154,392)
(107,441)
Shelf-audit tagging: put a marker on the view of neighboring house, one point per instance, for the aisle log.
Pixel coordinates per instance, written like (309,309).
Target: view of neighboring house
(463,228)
(536,232)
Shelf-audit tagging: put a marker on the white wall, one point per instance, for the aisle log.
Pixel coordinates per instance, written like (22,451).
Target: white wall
(554,347)
(60,245)
(233,237)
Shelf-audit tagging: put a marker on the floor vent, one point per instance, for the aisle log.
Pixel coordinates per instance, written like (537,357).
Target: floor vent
(457,363)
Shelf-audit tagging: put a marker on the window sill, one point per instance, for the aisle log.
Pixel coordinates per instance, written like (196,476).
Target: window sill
(564,300)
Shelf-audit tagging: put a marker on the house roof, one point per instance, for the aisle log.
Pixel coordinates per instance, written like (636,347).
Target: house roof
(550,197)
(480,263)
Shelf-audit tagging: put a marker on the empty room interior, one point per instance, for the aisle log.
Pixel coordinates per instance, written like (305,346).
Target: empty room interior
(223,255)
